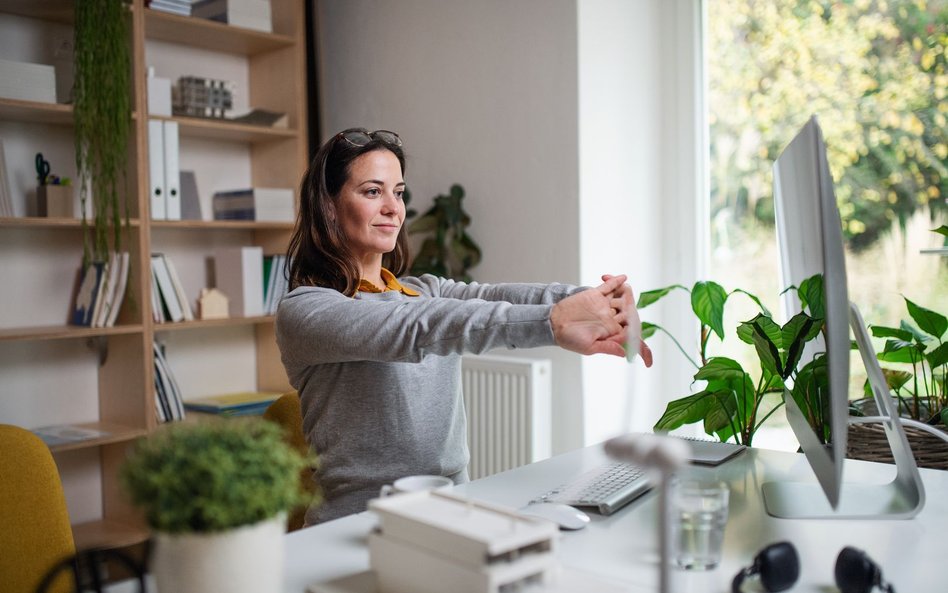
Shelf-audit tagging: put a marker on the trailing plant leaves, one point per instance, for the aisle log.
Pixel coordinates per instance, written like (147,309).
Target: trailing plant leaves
(650,296)
(811,295)
(707,301)
(102,115)
(928,321)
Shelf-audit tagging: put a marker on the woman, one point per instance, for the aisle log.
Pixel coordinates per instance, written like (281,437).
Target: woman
(375,357)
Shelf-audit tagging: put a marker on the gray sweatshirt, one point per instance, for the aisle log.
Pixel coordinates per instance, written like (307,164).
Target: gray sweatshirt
(379,375)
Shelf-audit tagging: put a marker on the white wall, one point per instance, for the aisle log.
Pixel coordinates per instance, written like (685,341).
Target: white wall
(483,94)
(559,118)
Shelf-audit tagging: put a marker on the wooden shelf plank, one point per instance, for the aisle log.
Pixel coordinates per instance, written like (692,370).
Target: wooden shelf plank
(35,112)
(60,11)
(206,34)
(38,221)
(64,332)
(108,534)
(204,225)
(117,434)
(207,323)
(218,129)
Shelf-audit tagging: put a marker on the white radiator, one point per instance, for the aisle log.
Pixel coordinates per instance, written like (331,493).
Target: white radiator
(509,411)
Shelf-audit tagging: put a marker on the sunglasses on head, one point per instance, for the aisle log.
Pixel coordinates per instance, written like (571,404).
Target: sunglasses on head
(362,137)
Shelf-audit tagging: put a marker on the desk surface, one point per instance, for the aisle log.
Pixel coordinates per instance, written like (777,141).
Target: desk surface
(622,548)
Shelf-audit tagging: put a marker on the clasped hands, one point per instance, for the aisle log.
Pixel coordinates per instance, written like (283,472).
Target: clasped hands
(596,321)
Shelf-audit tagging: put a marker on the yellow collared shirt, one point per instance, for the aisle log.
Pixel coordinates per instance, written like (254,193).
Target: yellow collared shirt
(391,283)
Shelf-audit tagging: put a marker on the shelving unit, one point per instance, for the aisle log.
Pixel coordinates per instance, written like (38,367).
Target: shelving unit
(44,360)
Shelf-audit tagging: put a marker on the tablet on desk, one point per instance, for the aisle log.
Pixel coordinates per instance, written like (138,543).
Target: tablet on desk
(707,452)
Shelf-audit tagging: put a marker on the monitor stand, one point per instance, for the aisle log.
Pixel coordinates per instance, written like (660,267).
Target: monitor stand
(902,498)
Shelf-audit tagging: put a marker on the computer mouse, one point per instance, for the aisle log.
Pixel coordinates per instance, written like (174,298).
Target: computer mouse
(565,516)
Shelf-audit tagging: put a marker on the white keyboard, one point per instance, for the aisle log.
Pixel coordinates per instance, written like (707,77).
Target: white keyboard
(608,488)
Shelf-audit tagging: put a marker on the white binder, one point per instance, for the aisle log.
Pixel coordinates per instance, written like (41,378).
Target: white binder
(172,174)
(156,170)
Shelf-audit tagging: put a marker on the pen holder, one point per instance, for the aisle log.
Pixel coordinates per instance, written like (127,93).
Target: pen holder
(56,201)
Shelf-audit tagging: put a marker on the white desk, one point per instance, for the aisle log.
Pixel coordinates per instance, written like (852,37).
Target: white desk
(622,547)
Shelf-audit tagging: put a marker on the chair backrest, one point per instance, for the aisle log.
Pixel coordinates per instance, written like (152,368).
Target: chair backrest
(35,533)
(287,412)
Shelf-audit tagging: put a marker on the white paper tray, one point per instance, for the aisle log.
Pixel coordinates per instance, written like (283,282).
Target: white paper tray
(569,581)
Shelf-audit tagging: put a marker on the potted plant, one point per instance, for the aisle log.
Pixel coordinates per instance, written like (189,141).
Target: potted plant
(916,371)
(216,493)
(102,113)
(730,401)
(448,250)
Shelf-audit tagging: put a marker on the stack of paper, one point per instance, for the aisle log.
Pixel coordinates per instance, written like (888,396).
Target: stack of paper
(27,82)
(266,204)
(244,403)
(250,14)
(182,7)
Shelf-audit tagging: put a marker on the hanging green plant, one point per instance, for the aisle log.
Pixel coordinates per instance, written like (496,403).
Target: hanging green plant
(102,113)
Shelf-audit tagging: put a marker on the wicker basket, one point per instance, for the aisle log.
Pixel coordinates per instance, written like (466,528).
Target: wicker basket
(868,442)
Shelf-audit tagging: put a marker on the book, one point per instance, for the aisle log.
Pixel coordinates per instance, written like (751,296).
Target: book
(118,296)
(190,198)
(168,295)
(87,290)
(182,297)
(168,402)
(239,274)
(234,404)
(262,117)
(250,14)
(268,204)
(6,201)
(63,434)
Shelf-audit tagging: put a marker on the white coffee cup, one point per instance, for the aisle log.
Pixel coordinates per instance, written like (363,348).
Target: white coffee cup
(415,484)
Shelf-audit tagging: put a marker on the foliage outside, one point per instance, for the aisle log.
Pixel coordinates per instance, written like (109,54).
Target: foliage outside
(102,114)
(732,403)
(447,250)
(215,475)
(874,71)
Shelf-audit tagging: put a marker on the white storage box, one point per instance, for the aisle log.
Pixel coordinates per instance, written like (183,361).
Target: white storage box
(27,82)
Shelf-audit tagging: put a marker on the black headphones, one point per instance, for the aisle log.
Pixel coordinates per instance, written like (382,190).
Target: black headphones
(779,567)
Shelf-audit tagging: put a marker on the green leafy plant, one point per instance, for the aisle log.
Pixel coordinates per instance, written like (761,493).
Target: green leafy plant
(730,403)
(447,250)
(922,392)
(214,475)
(102,113)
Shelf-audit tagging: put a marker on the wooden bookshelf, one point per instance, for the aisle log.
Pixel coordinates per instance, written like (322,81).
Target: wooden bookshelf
(123,369)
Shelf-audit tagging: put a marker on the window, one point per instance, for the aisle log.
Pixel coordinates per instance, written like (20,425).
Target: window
(874,72)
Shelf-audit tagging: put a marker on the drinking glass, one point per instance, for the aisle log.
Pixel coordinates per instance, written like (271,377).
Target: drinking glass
(699,515)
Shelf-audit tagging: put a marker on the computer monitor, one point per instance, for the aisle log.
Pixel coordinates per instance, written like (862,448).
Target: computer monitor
(810,240)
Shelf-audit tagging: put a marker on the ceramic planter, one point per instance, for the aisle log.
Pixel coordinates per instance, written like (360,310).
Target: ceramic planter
(247,559)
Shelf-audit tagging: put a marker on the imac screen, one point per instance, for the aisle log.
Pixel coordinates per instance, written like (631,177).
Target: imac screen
(810,238)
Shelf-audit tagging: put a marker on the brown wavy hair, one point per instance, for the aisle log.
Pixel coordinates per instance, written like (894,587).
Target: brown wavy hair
(319,254)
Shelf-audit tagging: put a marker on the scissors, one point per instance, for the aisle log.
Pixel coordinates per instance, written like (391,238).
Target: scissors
(42,168)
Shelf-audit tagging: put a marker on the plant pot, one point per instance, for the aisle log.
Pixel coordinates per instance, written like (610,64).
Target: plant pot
(868,442)
(247,559)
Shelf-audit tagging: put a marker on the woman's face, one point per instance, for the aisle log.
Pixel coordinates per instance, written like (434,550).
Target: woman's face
(370,205)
